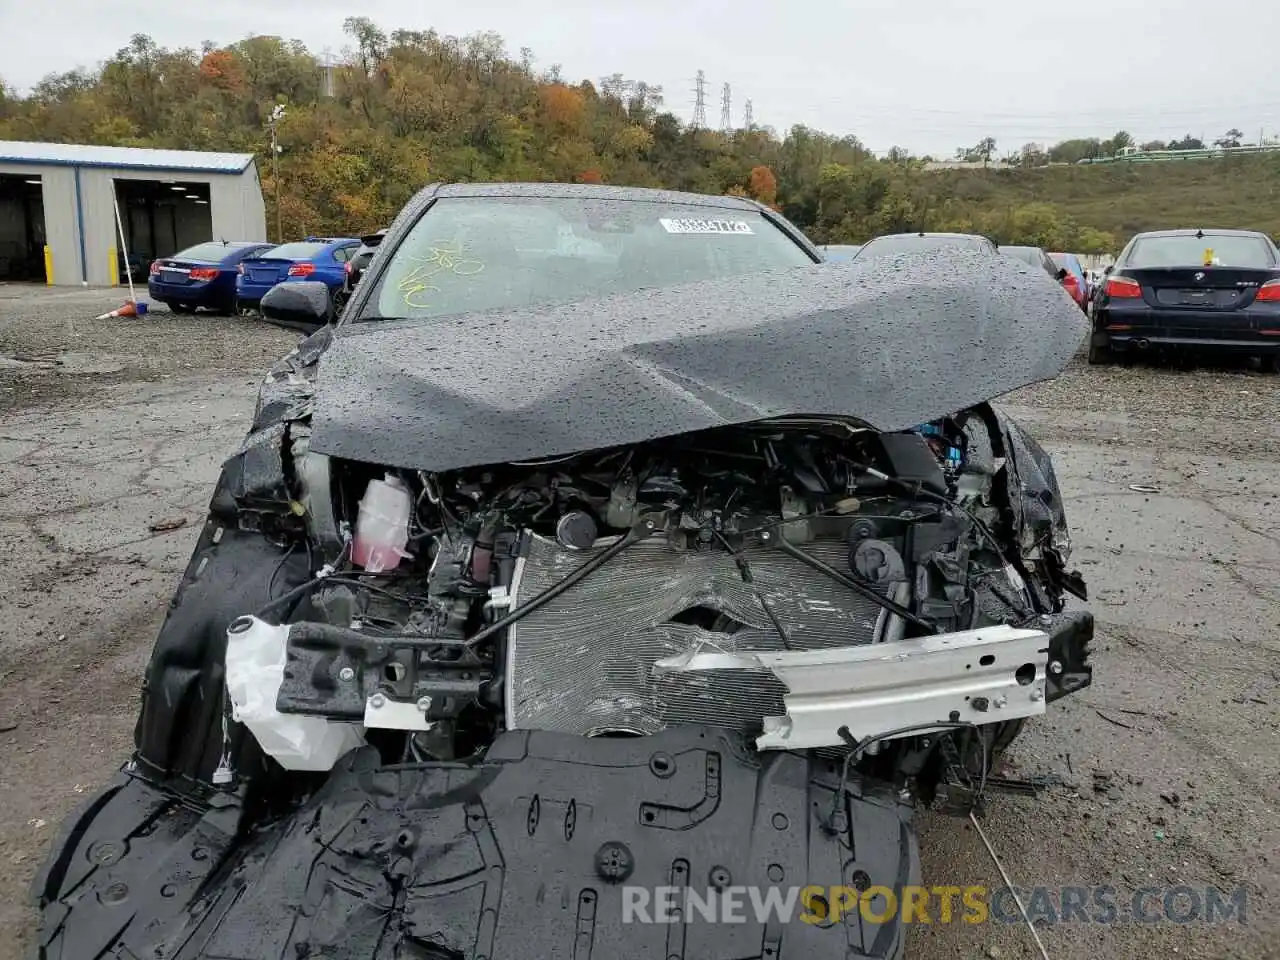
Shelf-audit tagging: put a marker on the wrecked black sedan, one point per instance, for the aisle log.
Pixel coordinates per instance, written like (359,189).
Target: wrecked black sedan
(607,545)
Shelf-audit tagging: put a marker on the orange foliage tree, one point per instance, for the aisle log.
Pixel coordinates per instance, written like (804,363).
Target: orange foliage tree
(764,186)
(562,105)
(221,69)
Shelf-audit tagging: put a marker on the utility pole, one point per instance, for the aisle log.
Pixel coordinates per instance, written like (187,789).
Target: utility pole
(277,114)
(747,120)
(726,115)
(700,101)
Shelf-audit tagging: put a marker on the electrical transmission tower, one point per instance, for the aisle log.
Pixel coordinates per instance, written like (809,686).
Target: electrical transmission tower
(700,101)
(726,115)
(747,120)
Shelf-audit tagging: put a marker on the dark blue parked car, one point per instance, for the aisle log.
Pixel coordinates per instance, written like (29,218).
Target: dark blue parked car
(320,259)
(1194,291)
(201,276)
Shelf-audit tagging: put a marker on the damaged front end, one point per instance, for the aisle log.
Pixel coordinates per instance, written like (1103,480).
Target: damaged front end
(412,702)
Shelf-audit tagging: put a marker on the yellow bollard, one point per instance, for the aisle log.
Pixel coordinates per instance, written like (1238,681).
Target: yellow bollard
(113,268)
(48,265)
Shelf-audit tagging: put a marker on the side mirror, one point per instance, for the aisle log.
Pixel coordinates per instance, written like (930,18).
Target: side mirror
(1107,269)
(305,305)
(1062,273)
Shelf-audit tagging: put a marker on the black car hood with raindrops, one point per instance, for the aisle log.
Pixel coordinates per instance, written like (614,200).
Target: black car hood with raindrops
(893,342)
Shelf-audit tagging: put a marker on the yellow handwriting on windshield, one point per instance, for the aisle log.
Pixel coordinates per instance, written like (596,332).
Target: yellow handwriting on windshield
(442,258)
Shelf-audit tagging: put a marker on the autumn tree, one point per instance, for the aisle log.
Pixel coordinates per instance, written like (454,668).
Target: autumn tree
(764,185)
(562,106)
(221,69)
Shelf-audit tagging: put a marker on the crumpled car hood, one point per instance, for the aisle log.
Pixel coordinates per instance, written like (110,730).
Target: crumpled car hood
(892,342)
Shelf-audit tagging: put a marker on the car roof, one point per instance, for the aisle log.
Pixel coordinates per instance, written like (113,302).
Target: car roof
(1193,231)
(1019,246)
(926,235)
(590,191)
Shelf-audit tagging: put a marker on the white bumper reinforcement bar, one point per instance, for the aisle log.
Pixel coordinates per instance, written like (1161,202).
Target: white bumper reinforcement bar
(979,676)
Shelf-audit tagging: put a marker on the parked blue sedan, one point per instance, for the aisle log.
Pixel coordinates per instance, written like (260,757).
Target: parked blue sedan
(201,276)
(316,259)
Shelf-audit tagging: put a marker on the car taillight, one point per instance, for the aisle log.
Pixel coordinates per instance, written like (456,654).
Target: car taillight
(155,267)
(1122,288)
(302,269)
(1269,292)
(204,273)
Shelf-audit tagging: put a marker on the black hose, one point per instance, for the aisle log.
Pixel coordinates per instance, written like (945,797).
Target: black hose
(332,635)
(857,586)
(553,591)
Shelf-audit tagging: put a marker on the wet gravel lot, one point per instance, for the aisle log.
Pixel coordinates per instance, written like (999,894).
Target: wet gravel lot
(111,435)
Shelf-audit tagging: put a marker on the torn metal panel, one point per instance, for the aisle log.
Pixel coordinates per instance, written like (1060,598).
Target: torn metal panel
(582,663)
(978,676)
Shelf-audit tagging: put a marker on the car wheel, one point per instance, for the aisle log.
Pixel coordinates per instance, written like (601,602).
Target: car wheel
(1099,356)
(1271,363)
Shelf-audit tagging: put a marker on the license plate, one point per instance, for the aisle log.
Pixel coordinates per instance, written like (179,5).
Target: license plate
(173,276)
(262,276)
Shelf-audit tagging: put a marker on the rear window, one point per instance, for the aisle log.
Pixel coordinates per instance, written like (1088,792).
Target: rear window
(294,251)
(1210,250)
(1028,255)
(210,252)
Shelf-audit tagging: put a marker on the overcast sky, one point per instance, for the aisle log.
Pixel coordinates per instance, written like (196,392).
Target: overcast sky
(929,75)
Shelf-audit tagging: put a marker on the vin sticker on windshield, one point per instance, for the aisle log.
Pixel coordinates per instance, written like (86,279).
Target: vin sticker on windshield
(690,225)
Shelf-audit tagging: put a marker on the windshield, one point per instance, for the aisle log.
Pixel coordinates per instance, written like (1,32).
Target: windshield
(294,251)
(914,243)
(210,252)
(1209,250)
(482,253)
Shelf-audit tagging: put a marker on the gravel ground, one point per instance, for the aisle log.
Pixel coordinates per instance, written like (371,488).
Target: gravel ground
(113,433)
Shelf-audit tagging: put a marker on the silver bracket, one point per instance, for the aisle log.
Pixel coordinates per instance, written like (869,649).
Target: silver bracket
(976,676)
(383,713)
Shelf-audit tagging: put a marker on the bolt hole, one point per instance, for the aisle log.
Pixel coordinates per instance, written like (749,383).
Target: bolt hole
(987,660)
(648,816)
(1025,674)
(394,672)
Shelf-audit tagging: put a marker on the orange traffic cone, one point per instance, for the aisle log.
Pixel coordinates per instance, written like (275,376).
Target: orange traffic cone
(133,308)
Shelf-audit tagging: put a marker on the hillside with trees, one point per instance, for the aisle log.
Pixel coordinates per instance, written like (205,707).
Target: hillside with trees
(409,107)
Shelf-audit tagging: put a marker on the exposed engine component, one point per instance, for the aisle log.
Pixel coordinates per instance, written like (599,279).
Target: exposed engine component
(558,594)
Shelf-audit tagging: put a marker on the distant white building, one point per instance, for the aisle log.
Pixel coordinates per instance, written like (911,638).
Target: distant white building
(58,208)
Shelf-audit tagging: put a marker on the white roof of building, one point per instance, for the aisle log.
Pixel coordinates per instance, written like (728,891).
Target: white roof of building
(121,158)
